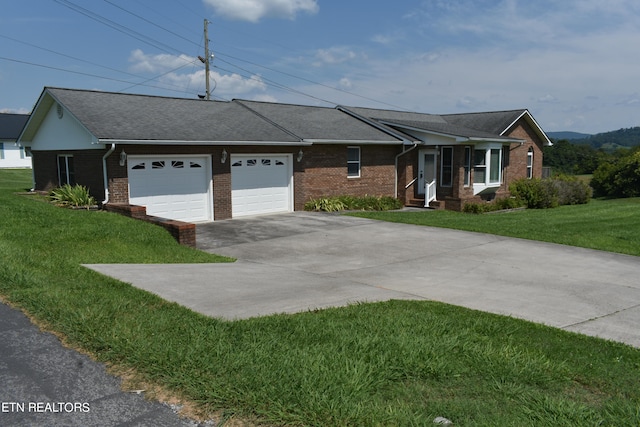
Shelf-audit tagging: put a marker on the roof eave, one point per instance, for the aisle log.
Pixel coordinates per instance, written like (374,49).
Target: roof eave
(353,142)
(190,142)
(536,127)
(377,125)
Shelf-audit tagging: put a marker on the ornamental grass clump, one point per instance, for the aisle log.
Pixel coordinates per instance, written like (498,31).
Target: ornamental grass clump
(352,203)
(72,196)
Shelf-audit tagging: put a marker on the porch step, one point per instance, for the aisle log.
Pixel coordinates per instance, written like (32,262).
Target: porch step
(419,203)
(416,203)
(437,205)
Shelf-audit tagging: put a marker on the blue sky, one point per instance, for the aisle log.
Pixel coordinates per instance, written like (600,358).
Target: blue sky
(573,63)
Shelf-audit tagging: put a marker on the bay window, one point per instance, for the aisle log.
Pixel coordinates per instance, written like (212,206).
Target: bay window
(487,167)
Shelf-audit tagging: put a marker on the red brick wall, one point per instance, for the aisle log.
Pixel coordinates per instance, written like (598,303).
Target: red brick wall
(324,172)
(87,166)
(321,172)
(518,153)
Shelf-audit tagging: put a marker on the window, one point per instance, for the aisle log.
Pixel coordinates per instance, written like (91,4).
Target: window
(479,166)
(495,156)
(1,150)
(66,174)
(530,163)
(487,167)
(446,167)
(353,162)
(467,166)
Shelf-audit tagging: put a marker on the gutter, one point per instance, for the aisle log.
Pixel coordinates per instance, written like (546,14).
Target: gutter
(395,184)
(104,173)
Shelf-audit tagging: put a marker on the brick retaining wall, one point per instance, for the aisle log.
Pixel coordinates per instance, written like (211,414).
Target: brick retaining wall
(183,232)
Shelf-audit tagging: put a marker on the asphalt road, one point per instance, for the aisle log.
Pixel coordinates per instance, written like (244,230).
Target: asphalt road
(43,383)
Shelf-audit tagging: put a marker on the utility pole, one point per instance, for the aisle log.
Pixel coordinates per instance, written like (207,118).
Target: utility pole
(206,57)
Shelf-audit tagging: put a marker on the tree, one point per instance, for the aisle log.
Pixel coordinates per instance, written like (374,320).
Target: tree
(620,178)
(568,158)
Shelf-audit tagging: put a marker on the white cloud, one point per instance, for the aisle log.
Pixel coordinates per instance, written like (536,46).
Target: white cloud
(255,10)
(145,63)
(224,85)
(334,55)
(547,98)
(345,83)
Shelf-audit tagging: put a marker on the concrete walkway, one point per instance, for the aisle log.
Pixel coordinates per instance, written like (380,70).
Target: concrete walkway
(301,261)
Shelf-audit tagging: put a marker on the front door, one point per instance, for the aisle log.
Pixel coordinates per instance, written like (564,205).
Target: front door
(427,173)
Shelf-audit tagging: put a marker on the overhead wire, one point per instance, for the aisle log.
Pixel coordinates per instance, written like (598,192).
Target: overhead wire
(171,50)
(269,81)
(50,67)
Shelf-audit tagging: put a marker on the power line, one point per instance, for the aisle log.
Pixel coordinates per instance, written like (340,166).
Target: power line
(166,48)
(85,74)
(118,27)
(68,56)
(150,22)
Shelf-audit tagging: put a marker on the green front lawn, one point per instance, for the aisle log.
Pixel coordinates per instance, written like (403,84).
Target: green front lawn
(400,363)
(608,225)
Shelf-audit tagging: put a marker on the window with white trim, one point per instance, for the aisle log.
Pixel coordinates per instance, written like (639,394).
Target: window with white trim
(467,166)
(1,150)
(66,173)
(446,167)
(487,166)
(530,163)
(353,162)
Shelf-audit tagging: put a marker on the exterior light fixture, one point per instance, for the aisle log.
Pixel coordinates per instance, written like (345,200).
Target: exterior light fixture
(123,158)
(300,155)
(223,156)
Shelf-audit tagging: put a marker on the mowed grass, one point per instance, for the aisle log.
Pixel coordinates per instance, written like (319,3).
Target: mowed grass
(608,225)
(398,363)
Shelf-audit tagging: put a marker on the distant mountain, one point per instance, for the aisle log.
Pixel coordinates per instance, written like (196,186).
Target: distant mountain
(610,141)
(567,135)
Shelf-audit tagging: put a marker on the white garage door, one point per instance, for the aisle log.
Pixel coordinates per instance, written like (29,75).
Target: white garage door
(261,184)
(173,187)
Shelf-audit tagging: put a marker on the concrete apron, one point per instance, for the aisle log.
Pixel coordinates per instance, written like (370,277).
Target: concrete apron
(301,261)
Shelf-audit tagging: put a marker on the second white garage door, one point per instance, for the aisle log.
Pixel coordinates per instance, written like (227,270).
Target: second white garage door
(175,187)
(261,184)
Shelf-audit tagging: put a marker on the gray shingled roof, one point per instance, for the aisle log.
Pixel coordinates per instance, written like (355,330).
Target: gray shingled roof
(495,122)
(117,116)
(448,129)
(319,123)
(126,117)
(474,125)
(11,125)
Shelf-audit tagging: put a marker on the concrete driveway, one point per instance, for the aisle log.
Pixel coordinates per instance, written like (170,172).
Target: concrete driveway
(301,261)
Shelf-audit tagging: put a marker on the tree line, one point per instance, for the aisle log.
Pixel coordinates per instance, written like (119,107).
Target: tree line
(616,173)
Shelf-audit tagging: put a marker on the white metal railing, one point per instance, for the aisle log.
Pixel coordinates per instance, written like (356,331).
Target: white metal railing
(429,192)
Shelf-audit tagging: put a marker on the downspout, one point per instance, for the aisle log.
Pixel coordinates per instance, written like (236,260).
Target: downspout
(396,166)
(104,173)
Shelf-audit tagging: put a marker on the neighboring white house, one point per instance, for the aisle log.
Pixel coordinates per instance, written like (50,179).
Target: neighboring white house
(11,154)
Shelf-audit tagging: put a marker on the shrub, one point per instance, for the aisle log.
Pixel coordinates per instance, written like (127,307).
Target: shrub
(325,205)
(620,179)
(551,192)
(572,191)
(74,196)
(366,203)
(535,193)
(497,205)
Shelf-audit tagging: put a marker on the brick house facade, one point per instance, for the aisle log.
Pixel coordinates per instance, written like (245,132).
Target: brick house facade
(328,151)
